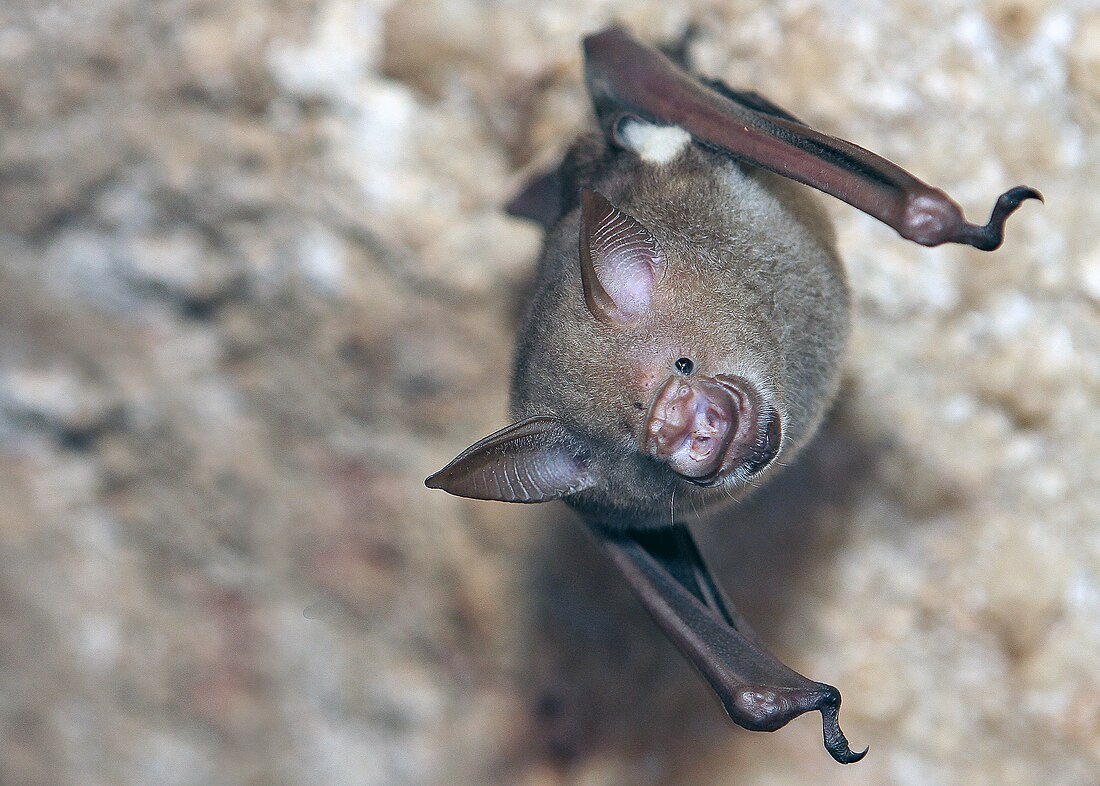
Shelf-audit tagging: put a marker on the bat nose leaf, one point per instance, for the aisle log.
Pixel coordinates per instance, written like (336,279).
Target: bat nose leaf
(690,425)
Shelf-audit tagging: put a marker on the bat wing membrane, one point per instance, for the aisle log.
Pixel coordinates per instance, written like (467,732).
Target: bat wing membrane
(626,77)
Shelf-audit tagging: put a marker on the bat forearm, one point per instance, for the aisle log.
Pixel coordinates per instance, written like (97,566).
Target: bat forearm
(758,692)
(628,77)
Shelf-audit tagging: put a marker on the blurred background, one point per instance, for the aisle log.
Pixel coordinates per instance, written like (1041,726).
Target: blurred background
(256,284)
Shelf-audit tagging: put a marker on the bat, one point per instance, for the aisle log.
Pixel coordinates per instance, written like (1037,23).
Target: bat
(685,330)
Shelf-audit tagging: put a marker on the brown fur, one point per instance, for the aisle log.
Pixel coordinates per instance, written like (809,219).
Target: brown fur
(752,286)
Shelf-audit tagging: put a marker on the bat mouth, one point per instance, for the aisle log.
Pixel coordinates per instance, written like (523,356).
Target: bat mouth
(709,429)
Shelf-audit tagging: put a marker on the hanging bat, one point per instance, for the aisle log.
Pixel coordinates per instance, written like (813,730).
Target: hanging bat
(686,329)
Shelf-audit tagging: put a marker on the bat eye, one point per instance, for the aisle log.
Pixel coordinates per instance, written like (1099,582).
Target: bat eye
(684,366)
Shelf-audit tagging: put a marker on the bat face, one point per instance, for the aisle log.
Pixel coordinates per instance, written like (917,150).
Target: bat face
(686,328)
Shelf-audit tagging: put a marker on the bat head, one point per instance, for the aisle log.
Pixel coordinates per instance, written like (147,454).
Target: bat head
(644,391)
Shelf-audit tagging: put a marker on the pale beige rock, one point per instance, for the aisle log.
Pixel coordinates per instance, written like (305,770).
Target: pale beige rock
(1084,63)
(255,284)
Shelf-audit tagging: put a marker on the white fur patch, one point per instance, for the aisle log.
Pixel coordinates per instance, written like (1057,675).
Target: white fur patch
(655,144)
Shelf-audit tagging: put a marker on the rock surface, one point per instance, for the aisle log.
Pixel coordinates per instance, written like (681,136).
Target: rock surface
(255,284)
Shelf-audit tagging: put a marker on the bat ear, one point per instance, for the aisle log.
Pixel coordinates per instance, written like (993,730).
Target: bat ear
(619,261)
(534,460)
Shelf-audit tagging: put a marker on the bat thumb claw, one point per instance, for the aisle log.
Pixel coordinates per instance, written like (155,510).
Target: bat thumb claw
(990,237)
(835,741)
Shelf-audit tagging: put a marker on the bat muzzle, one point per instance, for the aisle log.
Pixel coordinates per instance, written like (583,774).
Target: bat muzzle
(706,429)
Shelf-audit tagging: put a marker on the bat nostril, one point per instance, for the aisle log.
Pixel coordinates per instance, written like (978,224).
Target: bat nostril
(701,448)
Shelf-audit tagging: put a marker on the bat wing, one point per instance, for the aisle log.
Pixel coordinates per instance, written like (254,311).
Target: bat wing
(540,199)
(551,194)
(751,100)
(628,78)
(759,693)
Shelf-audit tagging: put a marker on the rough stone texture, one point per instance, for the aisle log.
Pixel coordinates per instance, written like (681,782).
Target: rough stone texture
(255,284)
